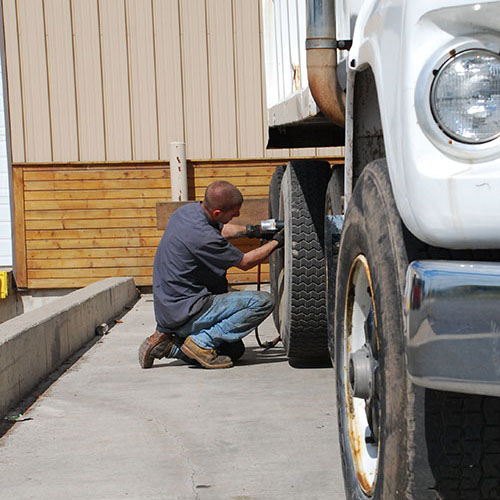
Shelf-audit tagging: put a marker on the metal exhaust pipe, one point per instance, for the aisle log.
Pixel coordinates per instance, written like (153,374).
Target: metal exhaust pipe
(321,47)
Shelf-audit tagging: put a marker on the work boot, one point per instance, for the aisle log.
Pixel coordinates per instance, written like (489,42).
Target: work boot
(156,346)
(208,358)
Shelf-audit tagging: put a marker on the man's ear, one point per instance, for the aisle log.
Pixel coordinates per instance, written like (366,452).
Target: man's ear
(216,213)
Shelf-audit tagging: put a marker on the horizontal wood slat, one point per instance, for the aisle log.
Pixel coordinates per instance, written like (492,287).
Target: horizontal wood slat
(66,234)
(90,223)
(100,273)
(93,243)
(89,253)
(33,205)
(104,213)
(112,194)
(139,281)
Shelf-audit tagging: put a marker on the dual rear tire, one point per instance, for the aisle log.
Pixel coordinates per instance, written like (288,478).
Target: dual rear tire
(297,197)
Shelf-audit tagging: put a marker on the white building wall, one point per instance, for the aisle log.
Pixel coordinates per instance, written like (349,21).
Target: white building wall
(5,225)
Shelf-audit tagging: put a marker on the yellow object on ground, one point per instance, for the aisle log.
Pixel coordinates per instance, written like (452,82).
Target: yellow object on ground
(4,289)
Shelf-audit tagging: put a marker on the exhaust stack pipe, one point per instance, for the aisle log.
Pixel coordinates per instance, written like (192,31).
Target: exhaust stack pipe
(321,46)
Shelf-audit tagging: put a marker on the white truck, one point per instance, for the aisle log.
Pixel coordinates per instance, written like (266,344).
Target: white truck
(392,260)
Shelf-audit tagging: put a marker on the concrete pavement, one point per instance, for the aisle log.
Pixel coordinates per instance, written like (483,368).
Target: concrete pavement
(106,429)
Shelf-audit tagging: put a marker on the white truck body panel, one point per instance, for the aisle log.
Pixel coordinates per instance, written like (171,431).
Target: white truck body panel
(288,97)
(448,195)
(443,199)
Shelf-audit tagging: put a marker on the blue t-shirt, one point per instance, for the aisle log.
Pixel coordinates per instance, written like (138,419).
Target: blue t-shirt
(190,265)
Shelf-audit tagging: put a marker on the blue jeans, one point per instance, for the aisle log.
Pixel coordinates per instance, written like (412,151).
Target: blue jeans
(230,317)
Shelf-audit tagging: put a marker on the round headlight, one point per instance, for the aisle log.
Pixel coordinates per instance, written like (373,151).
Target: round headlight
(465,96)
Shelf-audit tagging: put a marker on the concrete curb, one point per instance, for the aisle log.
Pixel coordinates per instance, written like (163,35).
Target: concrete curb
(34,344)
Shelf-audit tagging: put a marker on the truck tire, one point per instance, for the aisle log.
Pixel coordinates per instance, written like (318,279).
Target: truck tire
(463,436)
(301,270)
(375,399)
(333,230)
(276,256)
(398,440)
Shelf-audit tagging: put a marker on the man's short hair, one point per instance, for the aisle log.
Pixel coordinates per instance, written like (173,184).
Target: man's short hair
(222,195)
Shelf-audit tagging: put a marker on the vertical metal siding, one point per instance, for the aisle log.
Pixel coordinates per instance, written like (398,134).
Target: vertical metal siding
(61,79)
(248,79)
(142,79)
(168,74)
(221,79)
(33,57)
(195,79)
(87,57)
(115,72)
(118,80)
(12,69)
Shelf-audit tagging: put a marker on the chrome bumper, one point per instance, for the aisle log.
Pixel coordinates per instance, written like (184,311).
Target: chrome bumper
(452,325)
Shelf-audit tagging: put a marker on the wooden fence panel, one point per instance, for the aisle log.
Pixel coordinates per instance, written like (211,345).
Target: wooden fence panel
(81,223)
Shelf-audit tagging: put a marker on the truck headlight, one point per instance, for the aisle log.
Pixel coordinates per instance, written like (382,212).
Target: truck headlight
(465,96)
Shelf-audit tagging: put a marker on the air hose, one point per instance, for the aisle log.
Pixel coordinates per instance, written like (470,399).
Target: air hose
(271,343)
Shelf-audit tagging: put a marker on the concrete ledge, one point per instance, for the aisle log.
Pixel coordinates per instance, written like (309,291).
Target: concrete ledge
(34,344)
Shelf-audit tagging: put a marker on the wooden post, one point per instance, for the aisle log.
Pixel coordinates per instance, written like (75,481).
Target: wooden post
(178,171)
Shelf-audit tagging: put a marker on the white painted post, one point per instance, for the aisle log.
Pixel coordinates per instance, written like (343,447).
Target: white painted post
(178,171)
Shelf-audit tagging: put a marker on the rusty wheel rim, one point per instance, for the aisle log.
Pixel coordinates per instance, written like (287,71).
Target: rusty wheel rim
(361,346)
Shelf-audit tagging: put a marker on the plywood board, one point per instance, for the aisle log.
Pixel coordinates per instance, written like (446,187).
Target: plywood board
(252,212)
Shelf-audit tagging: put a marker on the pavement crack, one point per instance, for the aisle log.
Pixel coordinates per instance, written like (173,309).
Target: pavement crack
(182,452)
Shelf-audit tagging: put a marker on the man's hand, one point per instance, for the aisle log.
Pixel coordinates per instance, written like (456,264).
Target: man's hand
(261,253)
(280,238)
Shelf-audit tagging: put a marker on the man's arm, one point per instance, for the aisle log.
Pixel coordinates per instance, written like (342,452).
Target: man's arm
(230,231)
(259,254)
